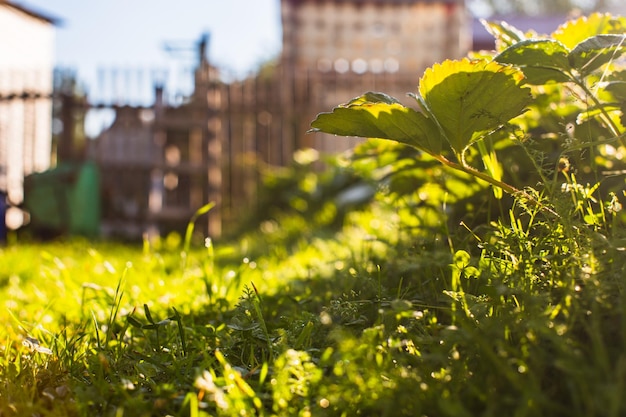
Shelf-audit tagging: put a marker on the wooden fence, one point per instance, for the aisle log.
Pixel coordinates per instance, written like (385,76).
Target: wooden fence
(263,121)
(160,163)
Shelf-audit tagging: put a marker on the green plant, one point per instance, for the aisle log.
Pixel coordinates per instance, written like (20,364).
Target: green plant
(466,107)
(534,290)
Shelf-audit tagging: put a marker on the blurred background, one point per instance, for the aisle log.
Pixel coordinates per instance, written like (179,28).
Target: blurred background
(121,119)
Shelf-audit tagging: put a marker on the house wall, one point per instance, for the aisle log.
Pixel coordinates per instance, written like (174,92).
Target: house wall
(372,36)
(341,49)
(26,51)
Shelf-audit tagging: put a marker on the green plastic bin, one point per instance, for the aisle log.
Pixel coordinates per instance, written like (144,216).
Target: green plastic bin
(64,200)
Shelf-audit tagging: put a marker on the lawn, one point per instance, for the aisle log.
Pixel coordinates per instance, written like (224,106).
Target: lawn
(393,313)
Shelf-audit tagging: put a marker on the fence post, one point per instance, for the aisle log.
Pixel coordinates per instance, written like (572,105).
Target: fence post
(65,146)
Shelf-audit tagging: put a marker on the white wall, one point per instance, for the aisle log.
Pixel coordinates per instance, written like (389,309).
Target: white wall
(26,65)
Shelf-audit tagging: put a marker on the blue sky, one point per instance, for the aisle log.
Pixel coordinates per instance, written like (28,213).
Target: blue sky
(131,33)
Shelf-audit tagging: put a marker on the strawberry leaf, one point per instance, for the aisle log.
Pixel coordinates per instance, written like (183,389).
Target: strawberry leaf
(377,115)
(469,99)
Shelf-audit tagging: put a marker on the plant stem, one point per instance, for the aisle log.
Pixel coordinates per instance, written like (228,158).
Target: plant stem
(507,188)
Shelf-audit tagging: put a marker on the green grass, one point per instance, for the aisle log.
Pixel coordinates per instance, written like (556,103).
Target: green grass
(525,317)
(414,303)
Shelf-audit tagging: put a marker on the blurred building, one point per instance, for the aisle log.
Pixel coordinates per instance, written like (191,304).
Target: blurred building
(26,71)
(346,47)
(160,163)
(376,36)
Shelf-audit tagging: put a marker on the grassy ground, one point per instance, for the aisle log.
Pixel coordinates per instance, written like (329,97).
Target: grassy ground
(401,311)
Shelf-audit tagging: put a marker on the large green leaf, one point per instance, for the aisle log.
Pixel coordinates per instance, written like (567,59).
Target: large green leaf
(462,101)
(576,31)
(469,99)
(596,51)
(377,115)
(541,60)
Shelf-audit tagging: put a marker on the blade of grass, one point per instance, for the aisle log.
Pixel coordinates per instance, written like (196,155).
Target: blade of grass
(189,231)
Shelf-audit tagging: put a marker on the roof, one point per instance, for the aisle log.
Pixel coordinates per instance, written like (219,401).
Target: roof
(31,12)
